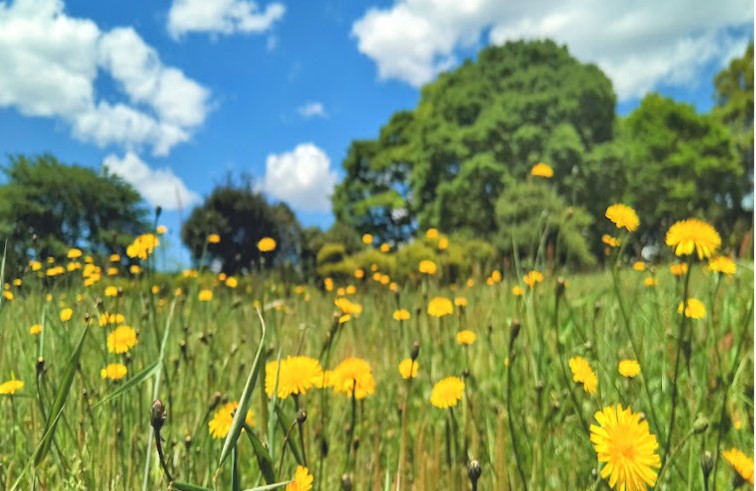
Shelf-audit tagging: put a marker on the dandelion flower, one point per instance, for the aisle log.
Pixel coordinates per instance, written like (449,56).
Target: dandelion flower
(142,246)
(629,368)
(431,233)
(220,425)
(496,276)
(466,337)
(122,339)
(161,230)
(408,368)
(427,267)
(517,291)
(533,278)
(367,239)
(111,291)
(346,306)
(296,375)
(402,315)
(723,265)
(232,282)
(440,306)
(742,464)
(678,269)
(385,248)
(8,295)
(35,329)
(542,170)
(353,375)
(639,266)
(205,295)
(650,282)
(447,392)
(695,309)
(610,241)
(74,253)
(359,273)
(66,314)
(213,239)
(624,444)
(623,217)
(266,244)
(114,371)
(460,302)
(11,386)
(584,374)
(691,235)
(108,318)
(302,480)
(443,244)
(135,269)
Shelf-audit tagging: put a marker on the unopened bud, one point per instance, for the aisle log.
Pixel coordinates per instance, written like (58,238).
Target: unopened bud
(158,415)
(301,416)
(415,350)
(473,472)
(346,482)
(514,331)
(561,285)
(700,425)
(707,463)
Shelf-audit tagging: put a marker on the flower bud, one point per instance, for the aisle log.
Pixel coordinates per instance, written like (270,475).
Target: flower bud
(158,415)
(473,472)
(415,351)
(700,425)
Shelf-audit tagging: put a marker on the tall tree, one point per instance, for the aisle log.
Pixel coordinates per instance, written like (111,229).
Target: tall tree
(46,207)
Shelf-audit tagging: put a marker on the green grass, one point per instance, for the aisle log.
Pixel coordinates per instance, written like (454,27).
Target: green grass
(103,432)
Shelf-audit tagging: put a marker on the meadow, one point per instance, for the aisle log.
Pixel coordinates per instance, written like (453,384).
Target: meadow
(507,379)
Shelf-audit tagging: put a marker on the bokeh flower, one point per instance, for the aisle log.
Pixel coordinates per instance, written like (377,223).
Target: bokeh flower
(742,464)
(213,239)
(533,278)
(650,282)
(266,244)
(542,170)
(460,302)
(639,266)
(66,314)
(11,386)
(220,425)
(447,392)
(347,307)
(142,246)
(517,291)
(695,309)
(35,329)
(408,368)
(114,371)
(367,239)
(584,374)
(402,315)
(431,233)
(623,217)
(629,368)
(723,265)
(678,269)
(205,295)
(691,235)
(427,267)
(440,306)
(611,241)
(466,337)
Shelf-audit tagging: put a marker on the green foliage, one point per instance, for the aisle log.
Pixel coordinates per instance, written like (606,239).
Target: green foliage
(242,216)
(533,218)
(332,261)
(46,207)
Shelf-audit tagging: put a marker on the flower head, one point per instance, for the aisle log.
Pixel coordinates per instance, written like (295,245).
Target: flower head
(427,267)
(213,239)
(367,239)
(691,235)
(347,307)
(533,278)
(583,373)
(460,301)
(385,248)
(466,337)
(74,253)
(296,375)
(650,282)
(122,339)
(431,233)
(266,244)
(610,241)
(447,392)
(408,368)
(440,306)
(723,265)
(353,375)
(623,217)
(220,425)
(205,295)
(629,368)
(542,170)
(114,371)
(443,244)
(302,480)
(624,444)
(639,266)
(66,314)
(695,309)
(11,386)
(678,269)
(401,315)
(35,329)
(517,291)
(742,464)
(143,246)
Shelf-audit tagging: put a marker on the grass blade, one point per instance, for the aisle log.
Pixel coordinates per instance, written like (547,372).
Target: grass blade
(264,460)
(269,486)
(60,400)
(185,486)
(244,401)
(133,382)
(286,423)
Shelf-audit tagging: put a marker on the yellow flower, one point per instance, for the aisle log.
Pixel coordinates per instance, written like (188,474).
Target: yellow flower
(155,289)
(11,386)
(351,290)
(367,239)
(692,234)
(345,318)
(114,371)
(517,291)
(302,480)
(296,375)
(122,339)
(35,329)
(205,295)
(650,282)
(353,374)
(542,170)
(359,273)
(583,373)
(143,246)
(622,442)
(466,337)
(408,368)
(402,315)
(107,318)
(470,282)
(533,278)
(743,465)
(114,258)
(135,269)
(66,314)
(111,291)
(385,279)
(74,253)
(623,217)
(377,276)
(161,230)
(112,271)
(610,241)
(266,244)
(431,233)
(8,295)
(443,244)
(440,306)
(35,265)
(220,425)
(385,248)
(695,309)
(678,269)
(427,267)
(447,392)
(460,302)
(232,282)
(213,239)
(328,284)
(723,265)
(629,368)
(393,287)
(639,266)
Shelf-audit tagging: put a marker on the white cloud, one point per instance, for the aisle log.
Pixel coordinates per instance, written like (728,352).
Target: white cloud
(160,187)
(221,17)
(51,62)
(640,44)
(302,177)
(312,110)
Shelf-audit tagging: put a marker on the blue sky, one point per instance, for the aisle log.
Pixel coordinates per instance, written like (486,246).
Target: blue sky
(175,95)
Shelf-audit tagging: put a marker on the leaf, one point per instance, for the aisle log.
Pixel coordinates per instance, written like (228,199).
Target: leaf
(60,400)
(133,382)
(185,486)
(286,423)
(244,400)
(264,461)
(269,486)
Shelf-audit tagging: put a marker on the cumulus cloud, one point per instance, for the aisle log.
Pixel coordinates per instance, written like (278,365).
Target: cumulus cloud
(160,187)
(312,110)
(221,17)
(640,45)
(302,177)
(51,62)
